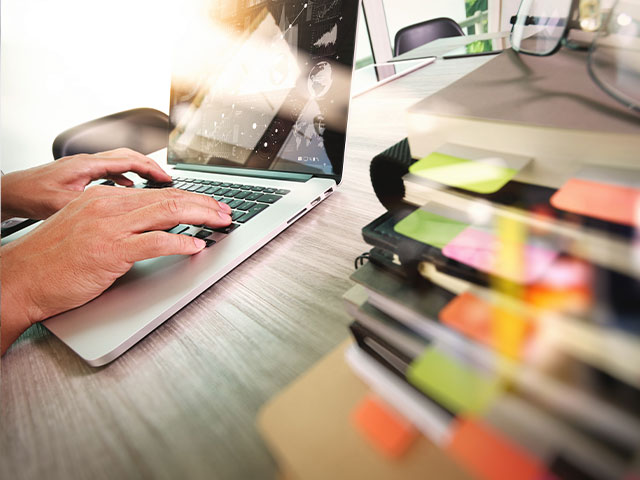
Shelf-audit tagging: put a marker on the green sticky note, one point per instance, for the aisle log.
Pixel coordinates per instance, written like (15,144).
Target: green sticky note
(472,169)
(455,385)
(429,228)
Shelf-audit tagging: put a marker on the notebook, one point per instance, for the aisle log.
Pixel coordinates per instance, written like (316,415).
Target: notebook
(259,123)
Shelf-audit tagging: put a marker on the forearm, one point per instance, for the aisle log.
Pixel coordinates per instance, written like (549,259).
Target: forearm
(19,311)
(10,202)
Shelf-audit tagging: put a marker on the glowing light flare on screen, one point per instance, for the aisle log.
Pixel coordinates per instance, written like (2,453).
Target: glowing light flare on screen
(199,43)
(255,72)
(624,20)
(262,62)
(224,65)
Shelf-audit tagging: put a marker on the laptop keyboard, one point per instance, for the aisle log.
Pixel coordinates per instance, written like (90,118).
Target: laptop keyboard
(246,201)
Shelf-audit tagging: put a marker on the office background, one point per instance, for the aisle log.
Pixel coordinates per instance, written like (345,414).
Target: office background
(128,44)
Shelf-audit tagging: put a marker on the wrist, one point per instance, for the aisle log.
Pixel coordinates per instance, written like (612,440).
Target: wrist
(19,309)
(19,298)
(11,199)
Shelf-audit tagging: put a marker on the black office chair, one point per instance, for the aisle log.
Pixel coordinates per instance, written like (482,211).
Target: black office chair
(144,130)
(416,35)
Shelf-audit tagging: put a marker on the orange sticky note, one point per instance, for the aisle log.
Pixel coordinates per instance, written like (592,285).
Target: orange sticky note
(565,288)
(606,201)
(490,455)
(385,429)
(469,315)
(476,318)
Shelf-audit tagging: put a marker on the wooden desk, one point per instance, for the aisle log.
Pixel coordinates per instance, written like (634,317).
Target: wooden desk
(182,403)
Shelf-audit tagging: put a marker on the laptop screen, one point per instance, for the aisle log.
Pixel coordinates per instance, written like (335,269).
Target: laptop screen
(265,84)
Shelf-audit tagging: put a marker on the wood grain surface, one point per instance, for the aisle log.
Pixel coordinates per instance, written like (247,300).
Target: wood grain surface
(182,403)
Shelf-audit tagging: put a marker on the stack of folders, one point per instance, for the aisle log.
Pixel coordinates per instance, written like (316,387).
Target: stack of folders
(502,318)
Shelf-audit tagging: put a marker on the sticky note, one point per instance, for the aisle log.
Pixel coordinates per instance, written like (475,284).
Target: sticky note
(456,385)
(510,330)
(385,429)
(605,201)
(489,455)
(478,319)
(566,287)
(479,249)
(473,169)
(509,326)
(469,315)
(430,228)
(510,253)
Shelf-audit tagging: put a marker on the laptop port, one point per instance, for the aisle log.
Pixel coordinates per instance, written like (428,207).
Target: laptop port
(296,216)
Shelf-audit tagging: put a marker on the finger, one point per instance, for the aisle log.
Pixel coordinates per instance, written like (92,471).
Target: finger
(120,180)
(111,191)
(172,211)
(109,201)
(122,161)
(123,200)
(159,244)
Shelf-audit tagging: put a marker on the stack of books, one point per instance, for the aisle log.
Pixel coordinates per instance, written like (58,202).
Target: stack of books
(499,311)
(496,320)
(501,318)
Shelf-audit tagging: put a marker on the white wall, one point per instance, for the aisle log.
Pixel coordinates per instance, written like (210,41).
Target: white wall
(54,52)
(56,58)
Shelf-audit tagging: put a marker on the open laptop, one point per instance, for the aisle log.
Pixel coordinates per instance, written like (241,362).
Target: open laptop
(263,129)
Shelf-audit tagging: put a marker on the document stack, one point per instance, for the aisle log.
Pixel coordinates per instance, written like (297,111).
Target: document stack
(499,310)
(502,319)
(496,318)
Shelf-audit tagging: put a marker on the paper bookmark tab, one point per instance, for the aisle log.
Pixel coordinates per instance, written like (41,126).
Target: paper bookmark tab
(473,169)
(430,227)
(479,249)
(605,201)
(469,315)
(456,385)
(385,429)
(490,455)
(478,319)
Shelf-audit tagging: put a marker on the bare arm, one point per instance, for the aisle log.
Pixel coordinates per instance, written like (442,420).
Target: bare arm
(41,191)
(80,251)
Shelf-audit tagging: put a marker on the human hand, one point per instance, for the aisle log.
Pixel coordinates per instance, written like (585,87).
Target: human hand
(41,191)
(77,253)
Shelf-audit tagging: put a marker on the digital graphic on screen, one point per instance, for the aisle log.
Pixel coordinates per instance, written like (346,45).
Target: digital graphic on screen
(277,96)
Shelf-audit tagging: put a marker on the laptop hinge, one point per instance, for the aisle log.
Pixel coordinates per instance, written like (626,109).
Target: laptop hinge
(296,177)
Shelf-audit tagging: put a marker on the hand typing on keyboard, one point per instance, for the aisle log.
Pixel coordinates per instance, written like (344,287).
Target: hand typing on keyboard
(246,202)
(41,191)
(78,252)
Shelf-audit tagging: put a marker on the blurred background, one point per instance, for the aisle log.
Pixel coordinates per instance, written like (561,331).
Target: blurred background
(57,57)
(474,16)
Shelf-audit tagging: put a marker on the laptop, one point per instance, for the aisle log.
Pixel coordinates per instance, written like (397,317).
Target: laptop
(262,128)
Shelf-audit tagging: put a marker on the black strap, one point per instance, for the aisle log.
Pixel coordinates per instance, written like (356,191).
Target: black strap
(386,170)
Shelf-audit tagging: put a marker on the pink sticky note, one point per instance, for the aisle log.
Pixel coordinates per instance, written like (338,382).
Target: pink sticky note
(479,249)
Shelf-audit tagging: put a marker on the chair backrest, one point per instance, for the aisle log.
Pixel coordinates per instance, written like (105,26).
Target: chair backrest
(416,35)
(142,129)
